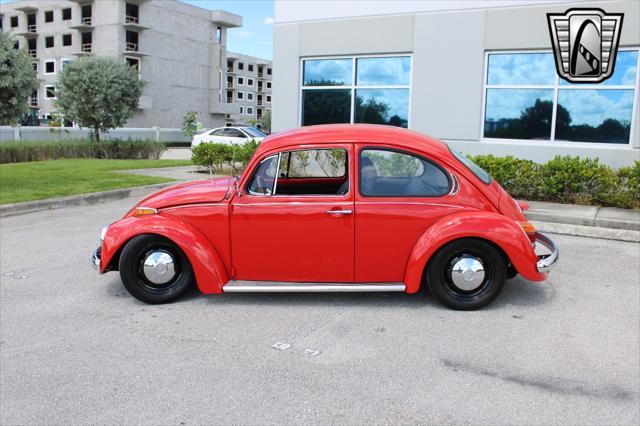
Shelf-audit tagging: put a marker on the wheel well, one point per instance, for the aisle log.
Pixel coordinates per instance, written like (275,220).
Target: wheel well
(494,245)
(115,259)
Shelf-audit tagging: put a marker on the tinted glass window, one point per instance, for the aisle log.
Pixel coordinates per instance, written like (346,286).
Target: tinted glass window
(521,68)
(263,178)
(382,106)
(383,71)
(594,115)
(218,132)
(328,72)
(326,106)
(234,133)
(385,173)
(518,113)
(253,132)
(475,169)
(624,73)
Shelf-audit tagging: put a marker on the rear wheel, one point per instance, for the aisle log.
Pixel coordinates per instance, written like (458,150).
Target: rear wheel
(154,270)
(466,274)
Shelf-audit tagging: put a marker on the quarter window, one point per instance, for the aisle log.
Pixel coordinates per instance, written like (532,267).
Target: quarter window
(356,90)
(525,99)
(386,173)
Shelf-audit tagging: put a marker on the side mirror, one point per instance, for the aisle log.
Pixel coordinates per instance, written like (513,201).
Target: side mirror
(237,186)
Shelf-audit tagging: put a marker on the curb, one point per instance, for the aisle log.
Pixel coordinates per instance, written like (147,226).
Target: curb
(588,231)
(582,219)
(15,209)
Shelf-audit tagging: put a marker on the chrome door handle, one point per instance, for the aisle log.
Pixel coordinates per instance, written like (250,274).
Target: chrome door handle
(339,212)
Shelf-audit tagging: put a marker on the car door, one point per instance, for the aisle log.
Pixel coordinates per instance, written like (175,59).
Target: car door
(293,220)
(234,136)
(400,194)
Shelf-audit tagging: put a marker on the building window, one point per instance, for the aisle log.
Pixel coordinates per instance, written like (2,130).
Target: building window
(14,21)
(218,35)
(131,38)
(49,67)
(268,85)
(250,67)
(66,39)
(241,110)
(525,99)
(249,110)
(48,42)
(269,98)
(49,92)
(249,82)
(66,14)
(240,65)
(48,16)
(240,96)
(134,63)
(249,96)
(16,45)
(268,71)
(35,67)
(356,90)
(240,81)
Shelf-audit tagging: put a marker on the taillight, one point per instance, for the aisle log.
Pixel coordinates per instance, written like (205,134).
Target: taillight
(529,229)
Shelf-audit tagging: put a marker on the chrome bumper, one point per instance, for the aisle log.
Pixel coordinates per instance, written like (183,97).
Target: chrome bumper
(95,258)
(547,261)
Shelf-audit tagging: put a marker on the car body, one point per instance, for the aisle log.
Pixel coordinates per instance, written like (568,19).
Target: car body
(228,135)
(331,208)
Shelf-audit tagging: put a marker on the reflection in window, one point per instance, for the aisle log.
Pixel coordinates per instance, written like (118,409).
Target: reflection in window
(518,113)
(379,94)
(521,69)
(383,71)
(263,178)
(316,163)
(523,90)
(325,106)
(327,72)
(386,173)
(382,106)
(594,115)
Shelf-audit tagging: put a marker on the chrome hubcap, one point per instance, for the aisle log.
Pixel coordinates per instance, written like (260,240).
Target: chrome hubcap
(159,267)
(467,273)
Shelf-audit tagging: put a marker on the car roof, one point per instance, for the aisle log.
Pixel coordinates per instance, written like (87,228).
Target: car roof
(352,133)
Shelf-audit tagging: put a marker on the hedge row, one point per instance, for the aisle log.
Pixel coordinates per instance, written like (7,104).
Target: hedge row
(215,156)
(117,149)
(567,179)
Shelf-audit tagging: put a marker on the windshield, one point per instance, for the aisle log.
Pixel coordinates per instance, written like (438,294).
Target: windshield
(475,169)
(252,131)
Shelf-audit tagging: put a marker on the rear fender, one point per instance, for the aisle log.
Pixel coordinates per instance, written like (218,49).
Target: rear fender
(208,268)
(493,227)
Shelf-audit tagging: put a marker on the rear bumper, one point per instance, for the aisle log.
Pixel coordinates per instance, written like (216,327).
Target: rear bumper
(547,261)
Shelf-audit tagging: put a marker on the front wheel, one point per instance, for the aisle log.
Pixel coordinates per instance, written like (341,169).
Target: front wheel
(466,274)
(155,270)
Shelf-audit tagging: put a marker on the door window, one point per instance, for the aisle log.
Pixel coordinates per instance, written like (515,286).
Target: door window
(387,173)
(304,172)
(263,178)
(233,133)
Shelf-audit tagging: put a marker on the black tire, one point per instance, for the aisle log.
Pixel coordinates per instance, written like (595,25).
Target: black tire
(441,283)
(132,270)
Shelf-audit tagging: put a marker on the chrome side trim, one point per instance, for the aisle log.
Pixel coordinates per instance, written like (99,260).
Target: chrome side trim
(289,287)
(547,261)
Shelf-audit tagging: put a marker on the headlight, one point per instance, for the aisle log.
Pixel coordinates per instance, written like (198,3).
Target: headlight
(103,233)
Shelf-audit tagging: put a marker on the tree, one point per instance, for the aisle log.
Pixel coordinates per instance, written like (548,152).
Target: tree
(264,121)
(190,123)
(17,80)
(98,92)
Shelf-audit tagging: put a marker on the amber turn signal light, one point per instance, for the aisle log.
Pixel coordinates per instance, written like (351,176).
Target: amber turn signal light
(529,229)
(142,211)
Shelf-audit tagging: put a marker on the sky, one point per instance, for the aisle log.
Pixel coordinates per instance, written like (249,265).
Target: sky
(255,37)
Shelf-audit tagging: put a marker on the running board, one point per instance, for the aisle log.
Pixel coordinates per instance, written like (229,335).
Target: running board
(290,287)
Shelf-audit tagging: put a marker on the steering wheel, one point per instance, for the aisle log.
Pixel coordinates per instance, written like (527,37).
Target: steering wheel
(263,188)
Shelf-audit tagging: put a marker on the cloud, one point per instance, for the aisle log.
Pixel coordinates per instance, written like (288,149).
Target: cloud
(268,20)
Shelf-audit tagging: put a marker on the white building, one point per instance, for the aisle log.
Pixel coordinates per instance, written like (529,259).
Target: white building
(477,74)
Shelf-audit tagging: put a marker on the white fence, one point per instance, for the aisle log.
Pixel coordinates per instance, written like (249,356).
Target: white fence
(35,133)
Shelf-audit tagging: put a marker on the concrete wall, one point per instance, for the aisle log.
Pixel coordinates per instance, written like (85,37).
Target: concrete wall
(448,50)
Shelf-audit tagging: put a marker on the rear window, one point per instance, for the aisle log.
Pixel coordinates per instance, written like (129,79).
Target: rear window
(475,169)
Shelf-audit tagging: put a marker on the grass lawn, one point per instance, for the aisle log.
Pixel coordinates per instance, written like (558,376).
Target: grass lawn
(38,180)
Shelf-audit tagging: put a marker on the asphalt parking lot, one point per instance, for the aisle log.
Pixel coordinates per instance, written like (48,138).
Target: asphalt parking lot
(75,348)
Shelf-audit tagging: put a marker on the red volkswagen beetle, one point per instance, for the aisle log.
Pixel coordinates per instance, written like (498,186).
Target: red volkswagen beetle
(331,208)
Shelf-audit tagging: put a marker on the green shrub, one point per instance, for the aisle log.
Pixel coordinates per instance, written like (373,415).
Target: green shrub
(566,180)
(214,156)
(17,152)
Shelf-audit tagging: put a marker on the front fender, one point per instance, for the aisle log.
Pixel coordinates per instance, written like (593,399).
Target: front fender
(493,227)
(208,268)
